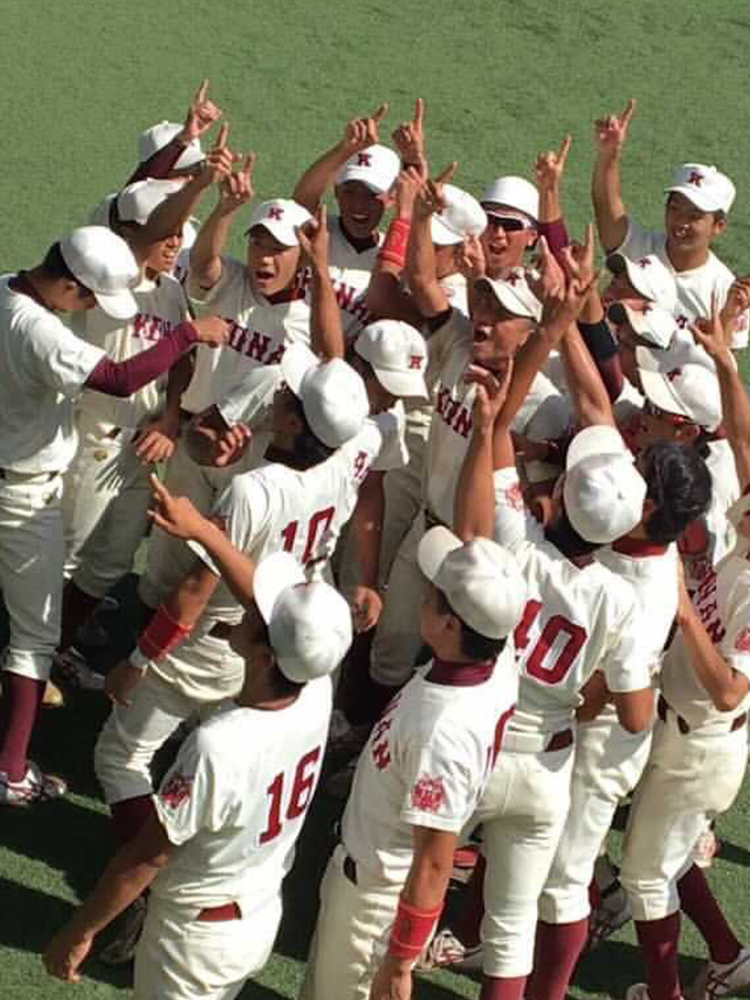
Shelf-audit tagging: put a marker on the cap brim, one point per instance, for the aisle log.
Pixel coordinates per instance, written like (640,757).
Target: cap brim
(278,230)
(658,389)
(693,195)
(353,174)
(507,297)
(411,384)
(600,439)
(435,545)
(272,576)
(657,326)
(297,361)
(119,305)
(443,235)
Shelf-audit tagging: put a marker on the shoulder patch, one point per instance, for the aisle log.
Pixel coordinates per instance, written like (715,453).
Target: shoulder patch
(176,790)
(742,642)
(428,794)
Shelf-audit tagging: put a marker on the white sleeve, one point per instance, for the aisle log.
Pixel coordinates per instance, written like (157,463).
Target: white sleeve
(638,241)
(60,359)
(242,510)
(440,785)
(736,643)
(249,399)
(393,453)
(626,664)
(513,523)
(231,271)
(193,795)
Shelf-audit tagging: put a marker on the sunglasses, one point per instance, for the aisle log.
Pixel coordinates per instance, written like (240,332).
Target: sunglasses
(509,223)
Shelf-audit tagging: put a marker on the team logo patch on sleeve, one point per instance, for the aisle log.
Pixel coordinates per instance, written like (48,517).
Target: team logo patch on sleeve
(429,794)
(513,497)
(176,790)
(742,642)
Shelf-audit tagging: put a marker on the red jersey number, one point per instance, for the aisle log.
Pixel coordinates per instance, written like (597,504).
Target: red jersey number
(537,663)
(303,786)
(317,529)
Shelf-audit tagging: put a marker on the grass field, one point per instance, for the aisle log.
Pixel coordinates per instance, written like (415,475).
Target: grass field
(503,80)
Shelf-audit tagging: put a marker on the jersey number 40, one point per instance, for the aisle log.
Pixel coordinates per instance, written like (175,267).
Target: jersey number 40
(556,648)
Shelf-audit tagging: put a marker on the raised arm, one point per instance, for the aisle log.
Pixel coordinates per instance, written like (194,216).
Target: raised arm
(550,168)
(360,133)
(326,332)
(430,298)
(606,189)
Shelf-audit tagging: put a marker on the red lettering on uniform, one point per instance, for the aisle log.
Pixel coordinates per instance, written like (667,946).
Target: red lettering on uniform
(303,787)
(257,346)
(682,321)
(452,407)
(696,178)
(502,724)
(742,642)
(275,212)
(441,401)
(416,361)
(513,279)
(674,373)
(574,639)
(237,336)
(364,159)
(645,262)
(274,358)
(429,794)
(317,533)
(177,790)
(344,295)
(381,755)
(361,465)
(463,422)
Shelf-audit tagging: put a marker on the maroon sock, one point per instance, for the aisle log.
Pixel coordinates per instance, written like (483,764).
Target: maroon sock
(129,815)
(558,947)
(659,940)
(77,605)
(472,910)
(502,988)
(698,903)
(20,703)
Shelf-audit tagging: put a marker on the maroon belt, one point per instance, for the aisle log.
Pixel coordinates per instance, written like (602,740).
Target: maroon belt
(560,740)
(662,707)
(217,914)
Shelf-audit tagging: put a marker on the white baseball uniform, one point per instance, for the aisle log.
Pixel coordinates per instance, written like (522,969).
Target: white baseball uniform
(577,620)
(107,490)
(425,764)
(43,368)
(694,287)
(266,510)
(233,804)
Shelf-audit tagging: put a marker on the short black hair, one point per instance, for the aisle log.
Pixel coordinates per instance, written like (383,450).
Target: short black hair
(564,537)
(474,645)
(309,450)
(56,268)
(679,483)
(282,686)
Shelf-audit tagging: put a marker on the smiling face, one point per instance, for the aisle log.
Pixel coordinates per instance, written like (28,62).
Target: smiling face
(498,333)
(271,265)
(161,257)
(508,235)
(688,229)
(360,208)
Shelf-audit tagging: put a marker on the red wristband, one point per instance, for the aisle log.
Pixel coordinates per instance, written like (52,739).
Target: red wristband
(395,243)
(162,634)
(412,929)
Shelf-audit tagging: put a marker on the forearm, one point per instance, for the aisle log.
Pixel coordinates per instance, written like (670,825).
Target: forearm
(527,365)
(429,297)
(326,332)
(160,163)
(585,385)
(725,686)
(367,524)
(474,503)
(386,299)
(735,406)
(316,180)
(555,233)
(123,880)
(123,378)
(205,255)
(178,380)
(609,208)
(237,569)
(171,214)
(605,353)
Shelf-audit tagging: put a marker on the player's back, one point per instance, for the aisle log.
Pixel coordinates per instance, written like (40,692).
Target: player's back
(236,798)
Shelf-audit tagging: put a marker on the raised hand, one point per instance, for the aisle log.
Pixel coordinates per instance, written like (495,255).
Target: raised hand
(157,441)
(550,166)
(363,132)
(64,954)
(409,140)
(470,259)
(237,186)
(219,160)
(408,186)
(201,115)
(176,515)
(612,131)
(212,330)
(430,198)
(711,333)
(491,393)
(313,238)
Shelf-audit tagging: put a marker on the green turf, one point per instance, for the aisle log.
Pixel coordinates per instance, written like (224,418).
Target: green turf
(503,80)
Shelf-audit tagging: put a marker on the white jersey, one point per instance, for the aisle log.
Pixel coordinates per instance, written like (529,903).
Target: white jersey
(260,330)
(694,287)
(350,271)
(43,368)
(235,800)
(710,538)
(277,508)
(427,761)
(162,306)
(577,620)
(722,602)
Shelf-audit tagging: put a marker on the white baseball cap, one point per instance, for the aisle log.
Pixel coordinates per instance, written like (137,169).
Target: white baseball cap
(282,218)
(515,192)
(462,216)
(377,167)
(689,390)
(309,623)
(648,276)
(136,202)
(653,323)
(398,354)
(481,582)
(105,264)
(514,294)
(332,394)
(603,491)
(706,187)
(159,136)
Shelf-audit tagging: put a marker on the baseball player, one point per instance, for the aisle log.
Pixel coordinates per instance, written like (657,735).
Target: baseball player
(228,813)
(698,203)
(699,751)
(420,774)
(45,367)
(362,173)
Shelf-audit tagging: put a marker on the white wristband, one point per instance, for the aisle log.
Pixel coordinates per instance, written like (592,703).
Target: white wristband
(139,660)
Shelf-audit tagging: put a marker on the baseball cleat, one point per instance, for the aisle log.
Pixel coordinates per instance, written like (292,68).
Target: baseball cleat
(129,926)
(53,696)
(716,980)
(73,668)
(445,951)
(612,914)
(35,786)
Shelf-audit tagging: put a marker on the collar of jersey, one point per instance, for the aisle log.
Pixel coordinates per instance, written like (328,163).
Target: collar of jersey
(21,285)
(638,547)
(459,674)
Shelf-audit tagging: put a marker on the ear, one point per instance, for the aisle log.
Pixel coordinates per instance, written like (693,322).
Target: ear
(649,508)
(719,227)
(688,434)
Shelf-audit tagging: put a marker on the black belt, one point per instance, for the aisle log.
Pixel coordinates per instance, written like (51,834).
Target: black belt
(662,707)
(432,521)
(221,630)
(560,740)
(350,869)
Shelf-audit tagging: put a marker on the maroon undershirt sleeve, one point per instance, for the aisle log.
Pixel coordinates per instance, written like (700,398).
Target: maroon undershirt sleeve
(556,234)
(159,164)
(123,378)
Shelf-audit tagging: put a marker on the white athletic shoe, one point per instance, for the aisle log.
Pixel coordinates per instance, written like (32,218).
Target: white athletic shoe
(445,951)
(73,668)
(129,926)
(35,786)
(715,980)
(612,914)
(706,848)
